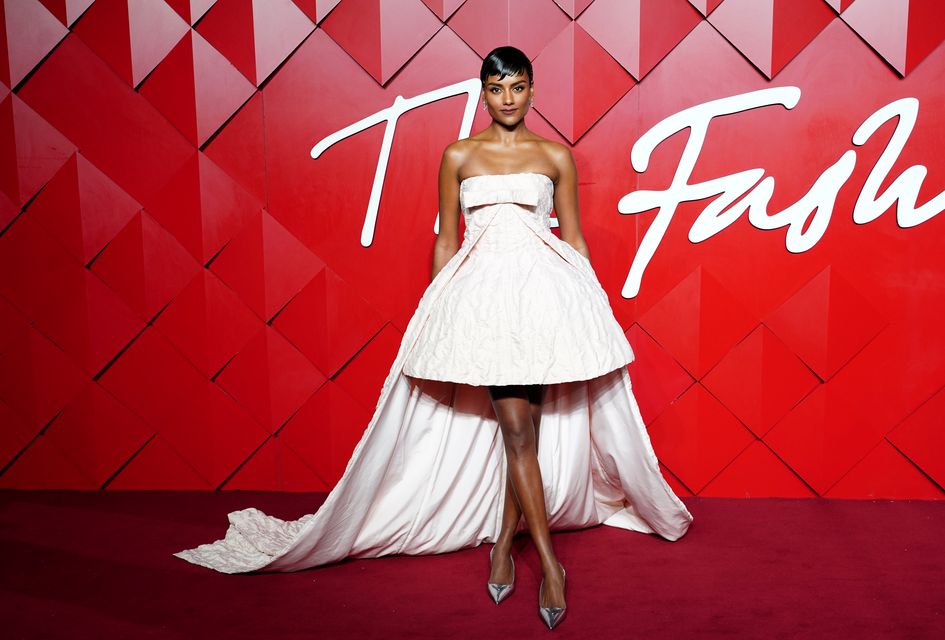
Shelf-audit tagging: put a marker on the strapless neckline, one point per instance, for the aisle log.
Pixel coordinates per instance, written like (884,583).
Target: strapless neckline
(498,175)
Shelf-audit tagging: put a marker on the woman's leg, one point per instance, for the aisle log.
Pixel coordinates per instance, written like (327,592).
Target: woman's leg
(514,413)
(512,513)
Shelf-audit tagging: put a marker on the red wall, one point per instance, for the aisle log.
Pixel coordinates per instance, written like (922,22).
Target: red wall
(190,300)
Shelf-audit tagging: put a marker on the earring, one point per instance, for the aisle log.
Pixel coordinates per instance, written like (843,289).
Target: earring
(483,106)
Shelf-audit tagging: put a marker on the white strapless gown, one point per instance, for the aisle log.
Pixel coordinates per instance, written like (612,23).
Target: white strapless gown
(515,305)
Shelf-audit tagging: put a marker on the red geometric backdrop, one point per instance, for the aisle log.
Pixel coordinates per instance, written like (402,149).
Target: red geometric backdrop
(186,301)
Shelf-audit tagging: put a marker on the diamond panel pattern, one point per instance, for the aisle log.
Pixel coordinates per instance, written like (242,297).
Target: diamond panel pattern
(255,35)
(69,304)
(363,377)
(146,265)
(276,465)
(317,10)
(83,208)
(839,5)
(826,322)
(663,378)
(654,27)
(574,8)
(191,10)
(264,247)
(240,148)
(397,31)
(885,474)
(757,473)
(43,466)
(527,24)
(824,436)
(904,33)
(212,433)
(118,130)
(921,438)
(97,433)
(696,437)
(158,466)
(591,82)
(771,32)
(152,379)
(270,378)
(325,431)
(27,33)
(132,36)
(196,88)
(67,11)
(37,379)
(32,150)
(759,380)
(705,7)
(443,9)
(184,303)
(328,322)
(208,323)
(203,207)
(716,321)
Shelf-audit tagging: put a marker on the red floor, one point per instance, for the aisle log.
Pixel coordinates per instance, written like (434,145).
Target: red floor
(98,565)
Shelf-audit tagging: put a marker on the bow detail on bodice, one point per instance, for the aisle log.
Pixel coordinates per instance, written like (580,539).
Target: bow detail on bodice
(479,196)
(529,189)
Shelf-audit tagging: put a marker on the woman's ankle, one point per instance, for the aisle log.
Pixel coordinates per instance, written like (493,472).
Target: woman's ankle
(553,566)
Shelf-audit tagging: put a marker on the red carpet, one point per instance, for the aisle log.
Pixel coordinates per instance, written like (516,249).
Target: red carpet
(98,565)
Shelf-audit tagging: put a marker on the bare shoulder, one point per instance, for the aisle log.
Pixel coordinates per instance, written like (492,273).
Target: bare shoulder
(556,152)
(457,151)
(455,155)
(558,155)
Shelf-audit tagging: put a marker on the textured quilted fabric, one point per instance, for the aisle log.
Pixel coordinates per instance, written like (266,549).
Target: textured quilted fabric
(523,307)
(429,472)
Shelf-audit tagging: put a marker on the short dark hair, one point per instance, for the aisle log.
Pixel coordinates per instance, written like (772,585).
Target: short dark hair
(505,61)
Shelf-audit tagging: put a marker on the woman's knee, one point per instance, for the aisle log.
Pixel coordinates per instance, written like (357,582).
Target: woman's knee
(515,415)
(518,434)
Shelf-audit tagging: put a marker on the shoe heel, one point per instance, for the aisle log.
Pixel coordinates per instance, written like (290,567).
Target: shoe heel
(551,616)
(497,590)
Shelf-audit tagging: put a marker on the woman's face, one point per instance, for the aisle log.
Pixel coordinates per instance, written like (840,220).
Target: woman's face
(507,99)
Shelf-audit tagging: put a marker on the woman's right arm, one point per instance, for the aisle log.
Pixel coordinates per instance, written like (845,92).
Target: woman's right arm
(447,240)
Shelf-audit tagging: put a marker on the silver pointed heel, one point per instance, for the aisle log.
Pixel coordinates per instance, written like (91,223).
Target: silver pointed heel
(498,590)
(552,615)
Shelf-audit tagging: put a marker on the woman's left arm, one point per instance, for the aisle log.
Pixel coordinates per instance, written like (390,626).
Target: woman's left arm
(566,200)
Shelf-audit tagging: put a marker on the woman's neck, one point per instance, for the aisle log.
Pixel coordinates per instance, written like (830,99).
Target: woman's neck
(509,136)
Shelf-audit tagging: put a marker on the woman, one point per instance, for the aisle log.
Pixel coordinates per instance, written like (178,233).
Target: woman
(507,147)
(514,330)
